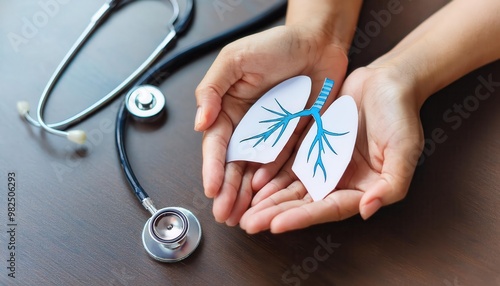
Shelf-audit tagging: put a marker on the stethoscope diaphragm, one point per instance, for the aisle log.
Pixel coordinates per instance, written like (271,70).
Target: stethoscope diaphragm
(171,234)
(145,102)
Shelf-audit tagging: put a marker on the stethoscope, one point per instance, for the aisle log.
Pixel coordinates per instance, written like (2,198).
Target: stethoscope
(172,233)
(177,24)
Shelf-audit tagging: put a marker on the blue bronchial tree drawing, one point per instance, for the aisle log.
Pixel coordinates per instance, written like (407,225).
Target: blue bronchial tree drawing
(280,123)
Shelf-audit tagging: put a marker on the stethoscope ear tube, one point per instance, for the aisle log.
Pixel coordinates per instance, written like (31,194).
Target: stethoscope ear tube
(177,21)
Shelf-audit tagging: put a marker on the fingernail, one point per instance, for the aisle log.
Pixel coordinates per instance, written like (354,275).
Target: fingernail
(370,208)
(231,223)
(197,119)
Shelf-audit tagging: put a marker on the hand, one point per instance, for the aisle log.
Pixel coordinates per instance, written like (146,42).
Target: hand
(244,71)
(388,145)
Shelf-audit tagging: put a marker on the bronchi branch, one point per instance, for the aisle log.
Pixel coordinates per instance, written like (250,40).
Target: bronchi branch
(284,117)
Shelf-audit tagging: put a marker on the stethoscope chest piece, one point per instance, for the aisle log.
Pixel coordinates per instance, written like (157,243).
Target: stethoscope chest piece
(145,102)
(171,234)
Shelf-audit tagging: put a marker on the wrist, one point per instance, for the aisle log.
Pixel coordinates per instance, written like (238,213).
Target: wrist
(430,63)
(409,75)
(327,22)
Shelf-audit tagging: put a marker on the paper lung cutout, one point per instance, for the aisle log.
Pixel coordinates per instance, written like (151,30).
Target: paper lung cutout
(327,148)
(291,95)
(323,156)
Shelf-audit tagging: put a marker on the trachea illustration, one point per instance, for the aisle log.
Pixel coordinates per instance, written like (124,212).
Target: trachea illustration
(283,117)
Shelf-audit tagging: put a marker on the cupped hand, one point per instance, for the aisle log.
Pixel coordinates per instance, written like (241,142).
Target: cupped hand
(389,142)
(243,71)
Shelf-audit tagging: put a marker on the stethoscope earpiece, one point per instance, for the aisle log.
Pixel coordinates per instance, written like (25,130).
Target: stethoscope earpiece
(176,24)
(171,234)
(145,102)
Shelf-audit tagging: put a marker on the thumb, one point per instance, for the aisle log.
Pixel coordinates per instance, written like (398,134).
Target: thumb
(224,72)
(392,186)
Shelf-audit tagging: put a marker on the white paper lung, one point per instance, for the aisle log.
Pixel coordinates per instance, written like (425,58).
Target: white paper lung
(262,133)
(321,170)
(327,148)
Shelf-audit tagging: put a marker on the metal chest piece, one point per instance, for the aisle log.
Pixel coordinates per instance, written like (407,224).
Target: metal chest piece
(145,102)
(171,234)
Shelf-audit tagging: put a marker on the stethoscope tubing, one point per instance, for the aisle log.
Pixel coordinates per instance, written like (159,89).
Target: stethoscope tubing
(177,24)
(176,61)
(187,229)
(121,121)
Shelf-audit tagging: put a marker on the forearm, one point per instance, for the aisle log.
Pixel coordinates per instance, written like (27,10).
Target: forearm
(336,19)
(459,38)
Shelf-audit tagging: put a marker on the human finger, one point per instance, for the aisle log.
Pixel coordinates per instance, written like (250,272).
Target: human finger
(244,196)
(397,171)
(224,72)
(339,205)
(259,217)
(214,147)
(283,179)
(225,199)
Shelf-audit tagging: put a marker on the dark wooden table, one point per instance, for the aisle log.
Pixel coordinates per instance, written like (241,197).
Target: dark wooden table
(77,223)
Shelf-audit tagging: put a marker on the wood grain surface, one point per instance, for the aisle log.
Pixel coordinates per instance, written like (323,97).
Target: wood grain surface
(77,223)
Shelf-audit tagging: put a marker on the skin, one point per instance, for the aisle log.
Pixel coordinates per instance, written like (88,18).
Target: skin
(389,93)
(247,68)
